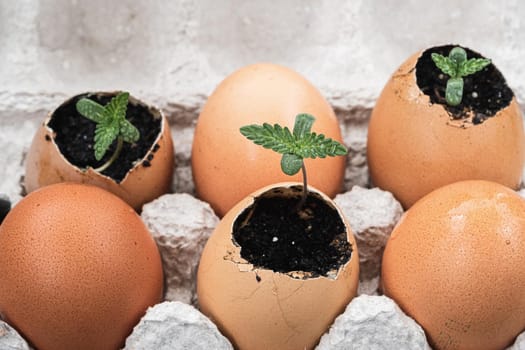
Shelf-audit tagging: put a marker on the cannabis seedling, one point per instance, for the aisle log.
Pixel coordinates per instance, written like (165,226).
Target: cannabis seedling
(457,66)
(111,124)
(296,146)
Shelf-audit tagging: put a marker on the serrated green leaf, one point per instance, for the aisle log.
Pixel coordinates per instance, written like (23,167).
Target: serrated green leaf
(116,108)
(90,109)
(128,131)
(318,146)
(472,66)
(273,137)
(454,91)
(303,125)
(105,134)
(279,139)
(111,125)
(291,164)
(445,64)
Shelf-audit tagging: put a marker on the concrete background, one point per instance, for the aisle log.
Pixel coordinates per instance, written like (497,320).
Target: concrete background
(173,53)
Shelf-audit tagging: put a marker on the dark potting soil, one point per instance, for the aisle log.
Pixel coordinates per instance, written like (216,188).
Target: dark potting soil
(484,93)
(5,207)
(273,235)
(75,137)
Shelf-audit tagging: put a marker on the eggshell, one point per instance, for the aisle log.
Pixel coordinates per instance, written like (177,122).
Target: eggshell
(45,165)
(227,166)
(78,268)
(413,148)
(278,311)
(455,264)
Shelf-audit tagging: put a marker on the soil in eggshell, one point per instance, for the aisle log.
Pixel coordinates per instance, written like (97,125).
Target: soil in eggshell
(274,234)
(75,137)
(484,93)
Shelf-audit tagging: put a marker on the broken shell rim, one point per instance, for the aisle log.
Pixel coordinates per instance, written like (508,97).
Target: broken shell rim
(233,256)
(155,112)
(411,70)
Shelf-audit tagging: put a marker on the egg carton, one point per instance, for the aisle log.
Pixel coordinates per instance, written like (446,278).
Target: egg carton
(181,224)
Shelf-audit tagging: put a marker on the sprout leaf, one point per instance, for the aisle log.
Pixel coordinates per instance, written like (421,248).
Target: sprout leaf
(456,66)
(111,125)
(302,143)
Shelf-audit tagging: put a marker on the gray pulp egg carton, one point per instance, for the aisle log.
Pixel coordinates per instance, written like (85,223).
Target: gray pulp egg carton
(54,49)
(370,320)
(372,214)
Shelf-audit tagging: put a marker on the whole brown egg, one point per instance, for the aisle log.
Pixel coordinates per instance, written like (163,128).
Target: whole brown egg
(78,268)
(455,264)
(415,145)
(226,166)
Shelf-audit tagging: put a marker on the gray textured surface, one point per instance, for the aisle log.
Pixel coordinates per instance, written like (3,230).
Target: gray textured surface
(373,323)
(181,226)
(10,339)
(184,47)
(176,326)
(370,286)
(519,344)
(372,214)
(14,143)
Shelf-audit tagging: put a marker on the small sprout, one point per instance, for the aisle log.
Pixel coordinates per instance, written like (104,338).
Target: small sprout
(111,124)
(296,146)
(456,66)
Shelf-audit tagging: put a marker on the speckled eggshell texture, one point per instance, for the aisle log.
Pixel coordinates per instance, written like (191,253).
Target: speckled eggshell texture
(78,268)
(413,148)
(273,311)
(455,264)
(227,166)
(45,165)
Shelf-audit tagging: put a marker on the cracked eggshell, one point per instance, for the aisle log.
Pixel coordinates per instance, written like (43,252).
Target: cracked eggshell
(455,264)
(45,165)
(413,148)
(78,268)
(260,309)
(227,166)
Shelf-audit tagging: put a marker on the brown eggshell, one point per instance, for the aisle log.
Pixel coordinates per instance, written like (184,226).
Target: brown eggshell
(277,312)
(227,166)
(45,165)
(455,264)
(78,268)
(414,148)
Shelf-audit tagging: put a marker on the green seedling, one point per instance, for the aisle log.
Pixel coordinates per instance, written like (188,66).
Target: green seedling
(456,66)
(296,146)
(111,124)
